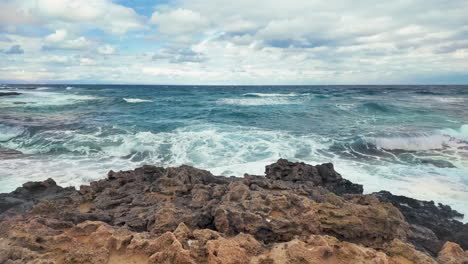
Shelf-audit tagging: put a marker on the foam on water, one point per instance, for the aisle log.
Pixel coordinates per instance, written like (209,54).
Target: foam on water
(9,132)
(272,94)
(224,150)
(383,143)
(438,140)
(259,101)
(136,100)
(414,143)
(43,98)
(440,99)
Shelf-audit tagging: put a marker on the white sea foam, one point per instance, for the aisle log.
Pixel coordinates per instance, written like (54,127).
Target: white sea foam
(437,140)
(461,133)
(412,143)
(224,150)
(345,107)
(42,88)
(69,88)
(272,94)
(44,98)
(136,100)
(9,132)
(440,99)
(259,101)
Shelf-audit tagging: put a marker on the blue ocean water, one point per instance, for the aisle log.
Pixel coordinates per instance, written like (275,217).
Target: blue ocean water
(410,140)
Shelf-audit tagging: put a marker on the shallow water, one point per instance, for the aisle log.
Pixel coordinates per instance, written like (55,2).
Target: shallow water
(410,140)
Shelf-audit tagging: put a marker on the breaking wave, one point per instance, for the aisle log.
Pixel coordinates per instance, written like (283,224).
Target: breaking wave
(438,140)
(136,100)
(271,95)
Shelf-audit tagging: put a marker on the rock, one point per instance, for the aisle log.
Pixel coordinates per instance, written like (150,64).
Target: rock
(328,249)
(298,213)
(9,93)
(323,175)
(431,225)
(452,253)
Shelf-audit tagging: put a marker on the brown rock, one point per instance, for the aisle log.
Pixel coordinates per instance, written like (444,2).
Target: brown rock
(297,214)
(452,253)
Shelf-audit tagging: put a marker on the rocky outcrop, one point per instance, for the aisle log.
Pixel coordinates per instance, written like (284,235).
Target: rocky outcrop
(431,225)
(298,213)
(320,175)
(452,253)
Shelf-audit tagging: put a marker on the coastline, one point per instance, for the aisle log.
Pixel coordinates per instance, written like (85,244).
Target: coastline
(296,213)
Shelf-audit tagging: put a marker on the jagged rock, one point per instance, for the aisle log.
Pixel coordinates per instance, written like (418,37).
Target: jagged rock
(452,253)
(431,225)
(298,213)
(323,175)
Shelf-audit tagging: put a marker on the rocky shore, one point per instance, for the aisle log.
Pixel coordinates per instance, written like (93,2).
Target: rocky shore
(295,213)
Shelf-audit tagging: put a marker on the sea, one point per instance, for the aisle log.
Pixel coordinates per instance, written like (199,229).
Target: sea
(409,140)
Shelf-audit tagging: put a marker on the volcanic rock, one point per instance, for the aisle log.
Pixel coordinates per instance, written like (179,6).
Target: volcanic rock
(431,225)
(298,213)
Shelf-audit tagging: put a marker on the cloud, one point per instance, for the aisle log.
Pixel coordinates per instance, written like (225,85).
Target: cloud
(12,17)
(106,50)
(179,21)
(179,55)
(87,62)
(15,49)
(58,36)
(243,41)
(63,44)
(71,14)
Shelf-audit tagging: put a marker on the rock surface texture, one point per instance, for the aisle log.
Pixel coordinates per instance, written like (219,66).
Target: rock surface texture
(297,213)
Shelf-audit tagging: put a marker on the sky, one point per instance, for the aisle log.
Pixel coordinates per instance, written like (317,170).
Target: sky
(234,41)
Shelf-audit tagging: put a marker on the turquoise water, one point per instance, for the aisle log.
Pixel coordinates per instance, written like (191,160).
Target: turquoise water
(410,140)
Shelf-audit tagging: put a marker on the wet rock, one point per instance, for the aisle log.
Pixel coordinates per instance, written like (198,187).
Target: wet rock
(431,225)
(324,175)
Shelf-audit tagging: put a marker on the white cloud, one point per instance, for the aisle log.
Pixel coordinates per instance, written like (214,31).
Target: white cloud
(179,21)
(57,59)
(101,14)
(243,41)
(106,50)
(58,36)
(87,62)
(12,17)
(67,44)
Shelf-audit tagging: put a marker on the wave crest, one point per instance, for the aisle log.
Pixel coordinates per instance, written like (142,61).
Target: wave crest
(136,100)
(270,95)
